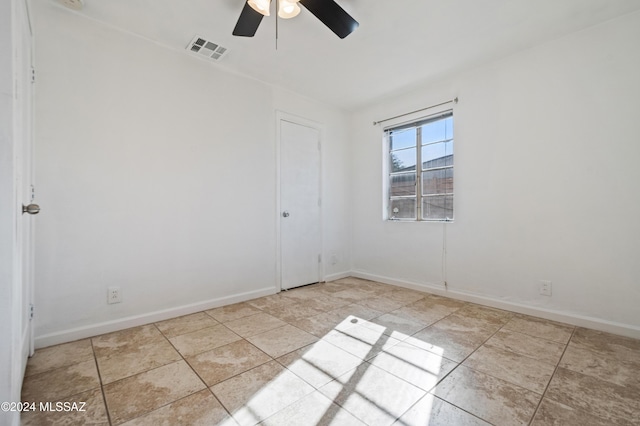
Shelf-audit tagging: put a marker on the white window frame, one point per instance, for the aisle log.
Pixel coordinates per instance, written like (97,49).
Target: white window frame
(387,171)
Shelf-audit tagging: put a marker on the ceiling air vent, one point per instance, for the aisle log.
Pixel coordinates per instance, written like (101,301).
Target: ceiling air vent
(206,48)
(72,4)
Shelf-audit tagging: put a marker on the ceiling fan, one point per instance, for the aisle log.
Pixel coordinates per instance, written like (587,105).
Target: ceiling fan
(327,11)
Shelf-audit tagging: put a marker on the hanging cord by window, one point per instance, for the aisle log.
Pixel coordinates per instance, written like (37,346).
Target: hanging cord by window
(452,101)
(277,9)
(444,255)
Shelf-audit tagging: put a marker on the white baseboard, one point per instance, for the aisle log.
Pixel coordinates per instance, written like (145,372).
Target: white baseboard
(151,317)
(136,320)
(337,276)
(550,314)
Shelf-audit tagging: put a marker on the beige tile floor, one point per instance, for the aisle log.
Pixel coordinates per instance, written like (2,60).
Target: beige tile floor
(349,352)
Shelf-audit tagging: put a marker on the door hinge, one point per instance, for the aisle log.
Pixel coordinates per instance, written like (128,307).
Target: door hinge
(31,311)
(319,258)
(33,75)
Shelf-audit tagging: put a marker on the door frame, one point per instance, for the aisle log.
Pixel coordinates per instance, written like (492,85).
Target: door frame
(24,132)
(295,119)
(14,307)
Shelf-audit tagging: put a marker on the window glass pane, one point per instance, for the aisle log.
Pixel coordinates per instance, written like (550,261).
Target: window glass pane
(449,128)
(437,182)
(403,138)
(403,208)
(403,184)
(437,155)
(434,137)
(439,207)
(403,160)
(434,131)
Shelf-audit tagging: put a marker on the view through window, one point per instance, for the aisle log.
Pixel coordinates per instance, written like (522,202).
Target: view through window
(420,185)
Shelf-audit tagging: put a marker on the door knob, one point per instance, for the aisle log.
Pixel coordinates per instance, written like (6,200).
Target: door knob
(285,214)
(31,209)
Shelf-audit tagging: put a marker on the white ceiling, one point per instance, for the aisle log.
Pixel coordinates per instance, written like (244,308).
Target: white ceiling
(400,43)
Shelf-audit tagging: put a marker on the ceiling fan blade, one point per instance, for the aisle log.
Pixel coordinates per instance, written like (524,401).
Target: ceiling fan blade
(248,22)
(332,15)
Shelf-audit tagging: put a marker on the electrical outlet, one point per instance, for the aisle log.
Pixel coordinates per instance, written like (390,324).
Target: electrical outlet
(545,288)
(334,259)
(114,295)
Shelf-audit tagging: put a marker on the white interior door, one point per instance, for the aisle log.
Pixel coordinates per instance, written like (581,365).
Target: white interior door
(24,176)
(300,235)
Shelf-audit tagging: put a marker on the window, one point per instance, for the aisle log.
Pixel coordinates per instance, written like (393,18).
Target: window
(420,185)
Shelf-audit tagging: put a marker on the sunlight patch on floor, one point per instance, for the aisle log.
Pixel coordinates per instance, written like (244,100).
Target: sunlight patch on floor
(355,365)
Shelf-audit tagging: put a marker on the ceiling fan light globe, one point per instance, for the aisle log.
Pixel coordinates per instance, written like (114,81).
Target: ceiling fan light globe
(260,6)
(288,9)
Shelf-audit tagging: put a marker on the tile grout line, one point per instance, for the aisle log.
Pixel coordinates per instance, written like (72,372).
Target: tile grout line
(151,369)
(207,387)
(460,363)
(186,362)
(428,392)
(183,358)
(294,300)
(363,361)
(454,368)
(513,352)
(595,353)
(160,366)
(236,375)
(104,397)
(231,377)
(541,338)
(536,337)
(554,373)
(368,361)
(181,316)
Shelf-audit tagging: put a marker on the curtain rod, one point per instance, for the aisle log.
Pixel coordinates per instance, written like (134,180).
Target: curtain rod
(454,100)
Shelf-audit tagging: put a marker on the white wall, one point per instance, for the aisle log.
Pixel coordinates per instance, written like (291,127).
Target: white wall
(546,183)
(157,173)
